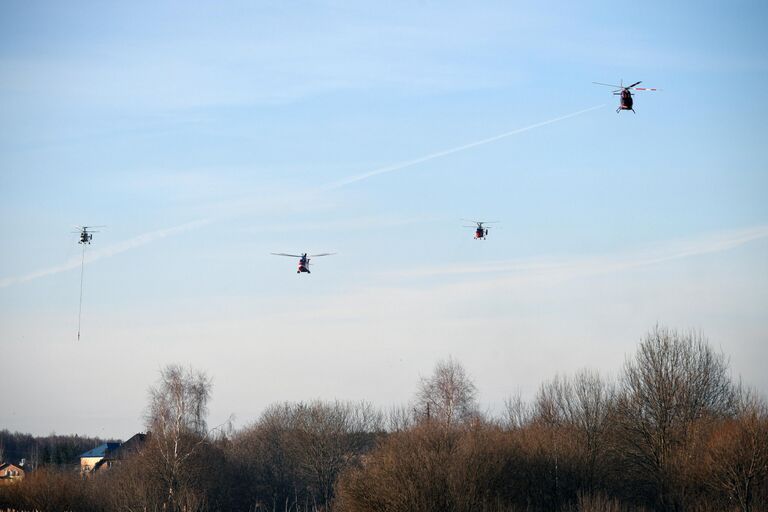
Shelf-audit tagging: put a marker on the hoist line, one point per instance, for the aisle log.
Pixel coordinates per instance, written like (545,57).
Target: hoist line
(80,310)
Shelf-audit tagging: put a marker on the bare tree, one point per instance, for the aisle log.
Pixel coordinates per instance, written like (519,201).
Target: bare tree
(319,436)
(673,384)
(589,412)
(179,401)
(177,420)
(737,459)
(264,452)
(326,436)
(551,411)
(517,413)
(579,406)
(448,395)
(400,418)
(295,452)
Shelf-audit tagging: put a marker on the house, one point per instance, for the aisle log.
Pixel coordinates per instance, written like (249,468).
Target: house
(131,446)
(97,457)
(11,472)
(106,454)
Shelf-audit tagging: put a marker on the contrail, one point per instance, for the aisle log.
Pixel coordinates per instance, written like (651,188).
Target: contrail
(660,253)
(105,252)
(402,165)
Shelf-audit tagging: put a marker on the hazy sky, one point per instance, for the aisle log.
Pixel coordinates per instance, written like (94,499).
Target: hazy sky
(207,136)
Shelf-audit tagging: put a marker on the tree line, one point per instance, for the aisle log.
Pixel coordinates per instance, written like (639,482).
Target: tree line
(673,432)
(59,450)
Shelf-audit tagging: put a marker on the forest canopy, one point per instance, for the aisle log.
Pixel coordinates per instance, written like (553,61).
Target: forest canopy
(673,431)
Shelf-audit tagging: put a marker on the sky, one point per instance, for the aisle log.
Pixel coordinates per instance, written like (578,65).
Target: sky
(206,136)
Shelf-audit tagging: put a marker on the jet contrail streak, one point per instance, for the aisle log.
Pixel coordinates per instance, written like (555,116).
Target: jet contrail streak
(670,251)
(402,165)
(105,252)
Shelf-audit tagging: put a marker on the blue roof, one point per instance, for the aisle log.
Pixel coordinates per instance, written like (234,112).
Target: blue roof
(101,451)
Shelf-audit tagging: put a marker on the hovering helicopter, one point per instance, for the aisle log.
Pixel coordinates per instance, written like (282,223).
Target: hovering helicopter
(480,230)
(625,102)
(303,259)
(85,235)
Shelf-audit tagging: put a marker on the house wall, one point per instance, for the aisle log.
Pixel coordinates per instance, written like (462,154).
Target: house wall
(11,473)
(87,463)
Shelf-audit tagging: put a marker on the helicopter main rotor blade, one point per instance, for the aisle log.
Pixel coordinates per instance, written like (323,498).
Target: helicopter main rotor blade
(479,222)
(646,89)
(284,254)
(609,85)
(321,254)
(634,84)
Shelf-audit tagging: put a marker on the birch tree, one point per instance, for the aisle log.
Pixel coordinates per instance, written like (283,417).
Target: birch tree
(448,395)
(176,418)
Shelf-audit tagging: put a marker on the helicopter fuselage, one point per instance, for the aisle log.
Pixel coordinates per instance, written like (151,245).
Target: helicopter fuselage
(303,265)
(626,101)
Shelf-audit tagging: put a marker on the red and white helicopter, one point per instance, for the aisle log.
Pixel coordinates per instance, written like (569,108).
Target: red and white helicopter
(480,230)
(625,102)
(303,259)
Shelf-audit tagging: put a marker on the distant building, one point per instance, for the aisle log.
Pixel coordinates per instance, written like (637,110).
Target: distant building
(105,455)
(102,454)
(11,472)
(131,446)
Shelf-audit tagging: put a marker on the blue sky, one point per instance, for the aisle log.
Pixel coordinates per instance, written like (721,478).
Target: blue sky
(205,136)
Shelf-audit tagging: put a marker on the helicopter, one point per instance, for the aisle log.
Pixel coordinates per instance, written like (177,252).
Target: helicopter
(303,259)
(480,230)
(625,102)
(85,235)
